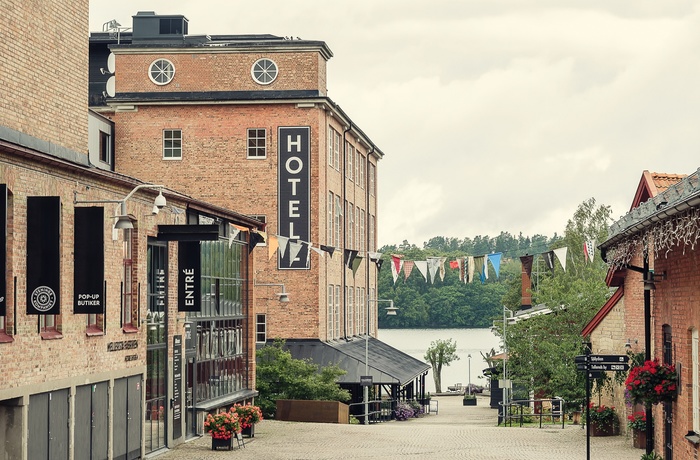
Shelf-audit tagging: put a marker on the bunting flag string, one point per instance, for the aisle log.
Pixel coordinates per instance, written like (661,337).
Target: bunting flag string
(589,250)
(433,268)
(479,266)
(470,269)
(294,249)
(272,247)
(395,267)
(561,255)
(282,240)
(422,266)
(407,269)
(495,260)
(442,268)
(549,260)
(329,249)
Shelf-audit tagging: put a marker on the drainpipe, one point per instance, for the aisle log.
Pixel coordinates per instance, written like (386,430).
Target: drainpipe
(376,294)
(647,348)
(345,229)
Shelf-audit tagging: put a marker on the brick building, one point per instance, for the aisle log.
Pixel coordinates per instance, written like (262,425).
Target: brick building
(655,246)
(618,327)
(244,121)
(89,323)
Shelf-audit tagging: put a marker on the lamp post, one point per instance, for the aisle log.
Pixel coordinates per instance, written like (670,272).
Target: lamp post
(505,367)
(391,311)
(469,388)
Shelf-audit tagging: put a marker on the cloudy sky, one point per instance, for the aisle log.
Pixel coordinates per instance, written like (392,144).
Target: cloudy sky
(494,115)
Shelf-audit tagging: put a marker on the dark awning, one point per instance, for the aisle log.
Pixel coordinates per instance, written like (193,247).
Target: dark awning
(387,365)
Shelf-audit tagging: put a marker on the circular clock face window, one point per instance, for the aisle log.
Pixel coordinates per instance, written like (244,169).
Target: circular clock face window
(264,71)
(161,71)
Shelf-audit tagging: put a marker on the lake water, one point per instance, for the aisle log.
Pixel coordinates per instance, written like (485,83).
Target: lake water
(415,342)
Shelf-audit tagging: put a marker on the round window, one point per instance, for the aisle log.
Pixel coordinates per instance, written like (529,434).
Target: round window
(264,71)
(161,72)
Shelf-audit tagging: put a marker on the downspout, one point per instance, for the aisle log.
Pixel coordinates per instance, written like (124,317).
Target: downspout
(367,220)
(345,229)
(329,334)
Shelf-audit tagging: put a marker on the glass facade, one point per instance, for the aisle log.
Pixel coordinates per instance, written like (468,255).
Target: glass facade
(156,349)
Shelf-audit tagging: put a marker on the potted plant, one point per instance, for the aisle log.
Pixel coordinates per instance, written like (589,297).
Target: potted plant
(652,383)
(638,423)
(248,416)
(469,399)
(603,420)
(222,427)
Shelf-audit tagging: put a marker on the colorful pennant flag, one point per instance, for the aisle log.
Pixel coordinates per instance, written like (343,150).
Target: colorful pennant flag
(589,250)
(407,269)
(495,260)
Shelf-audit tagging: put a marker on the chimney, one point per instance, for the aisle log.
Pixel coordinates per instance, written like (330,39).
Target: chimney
(526,282)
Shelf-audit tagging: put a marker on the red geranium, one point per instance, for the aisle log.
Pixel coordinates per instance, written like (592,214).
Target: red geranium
(653,382)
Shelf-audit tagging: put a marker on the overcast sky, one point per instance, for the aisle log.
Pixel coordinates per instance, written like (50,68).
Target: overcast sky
(494,115)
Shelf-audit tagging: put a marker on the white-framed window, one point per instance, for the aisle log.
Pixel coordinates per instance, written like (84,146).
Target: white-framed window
(331,138)
(129,308)
(262,218)
(336,151)
(260,328)
(331,308)
(338,221)
(161,72)
(362,230)
(351,223)
(172,144)
(350,293)
(331,219)
(696,381)
(372,179)
(264,71)
(371,233)
(357,167)
(257,143)
(336,312)
(349,154)
(361,173)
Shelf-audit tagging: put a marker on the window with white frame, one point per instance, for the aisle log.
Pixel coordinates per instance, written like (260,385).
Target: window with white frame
(351,224)
(331,138)
(372,174)
(357,167)
(331,219)
(172,144)
(696,381)
(371,233)
(261,328)
(349,154)
(336,312)
(336,151)
(331,306)
(361,174)
(358,237)
(129,309)
(362,230)
(350,291)
(257,145)
(338,221)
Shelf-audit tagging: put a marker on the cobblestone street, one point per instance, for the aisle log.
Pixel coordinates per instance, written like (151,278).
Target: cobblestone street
(455,432)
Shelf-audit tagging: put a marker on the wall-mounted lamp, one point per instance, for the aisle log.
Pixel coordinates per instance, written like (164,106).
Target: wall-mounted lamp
(123,220)
(391,309)
(283,296)
(652,278)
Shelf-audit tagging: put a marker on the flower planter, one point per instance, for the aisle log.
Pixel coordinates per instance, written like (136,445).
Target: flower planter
(218,443)
(639,439)
(249,431)
(469,402)
(605,430)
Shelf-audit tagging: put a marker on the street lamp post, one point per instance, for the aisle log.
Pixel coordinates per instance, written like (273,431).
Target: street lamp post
(469,388)
(505,367)
(391,310)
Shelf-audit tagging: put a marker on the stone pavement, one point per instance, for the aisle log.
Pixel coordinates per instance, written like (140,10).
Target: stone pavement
(467,432)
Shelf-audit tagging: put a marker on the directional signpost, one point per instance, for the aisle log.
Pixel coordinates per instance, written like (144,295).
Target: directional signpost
(594,366)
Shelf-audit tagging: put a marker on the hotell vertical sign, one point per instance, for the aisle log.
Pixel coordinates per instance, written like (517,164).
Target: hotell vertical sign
(294,194)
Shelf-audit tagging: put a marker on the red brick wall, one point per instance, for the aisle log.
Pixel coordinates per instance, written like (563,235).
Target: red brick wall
(44,70)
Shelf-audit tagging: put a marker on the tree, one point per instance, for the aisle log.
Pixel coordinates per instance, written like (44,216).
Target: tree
(279,376)
(541,349)
(441,353)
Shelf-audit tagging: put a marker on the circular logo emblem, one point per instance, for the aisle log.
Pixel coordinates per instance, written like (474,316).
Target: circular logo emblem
(43,298)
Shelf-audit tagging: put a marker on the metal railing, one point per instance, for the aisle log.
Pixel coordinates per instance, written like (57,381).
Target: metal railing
(378,410)
(515,410)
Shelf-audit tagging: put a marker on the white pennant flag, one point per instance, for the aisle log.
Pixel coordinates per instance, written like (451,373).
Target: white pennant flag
(422,267)
(433,268)
(294,248)
(561,255)
(319,251)
(282,240)
(233,233)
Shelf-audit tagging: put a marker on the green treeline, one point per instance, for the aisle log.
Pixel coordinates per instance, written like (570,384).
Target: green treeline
(450,303)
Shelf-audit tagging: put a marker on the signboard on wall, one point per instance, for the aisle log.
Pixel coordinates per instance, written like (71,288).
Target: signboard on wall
(43,255)
(177,386)
(189,276)
(88,260)
(294,192)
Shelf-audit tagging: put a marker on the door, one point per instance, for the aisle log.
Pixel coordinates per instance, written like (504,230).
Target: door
(48,425)
(91,421)
(126,427)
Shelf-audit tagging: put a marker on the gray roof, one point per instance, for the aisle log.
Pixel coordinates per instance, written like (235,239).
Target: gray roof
(387,365)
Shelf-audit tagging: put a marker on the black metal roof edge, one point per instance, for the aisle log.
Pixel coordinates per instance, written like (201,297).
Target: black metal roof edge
(676,199)
(209,96)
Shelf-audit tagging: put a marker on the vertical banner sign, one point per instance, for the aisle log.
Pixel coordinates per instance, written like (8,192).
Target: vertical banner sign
(43,255)
(177,386)
(189,276)
(294,191)
(3,249)
(89,261)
